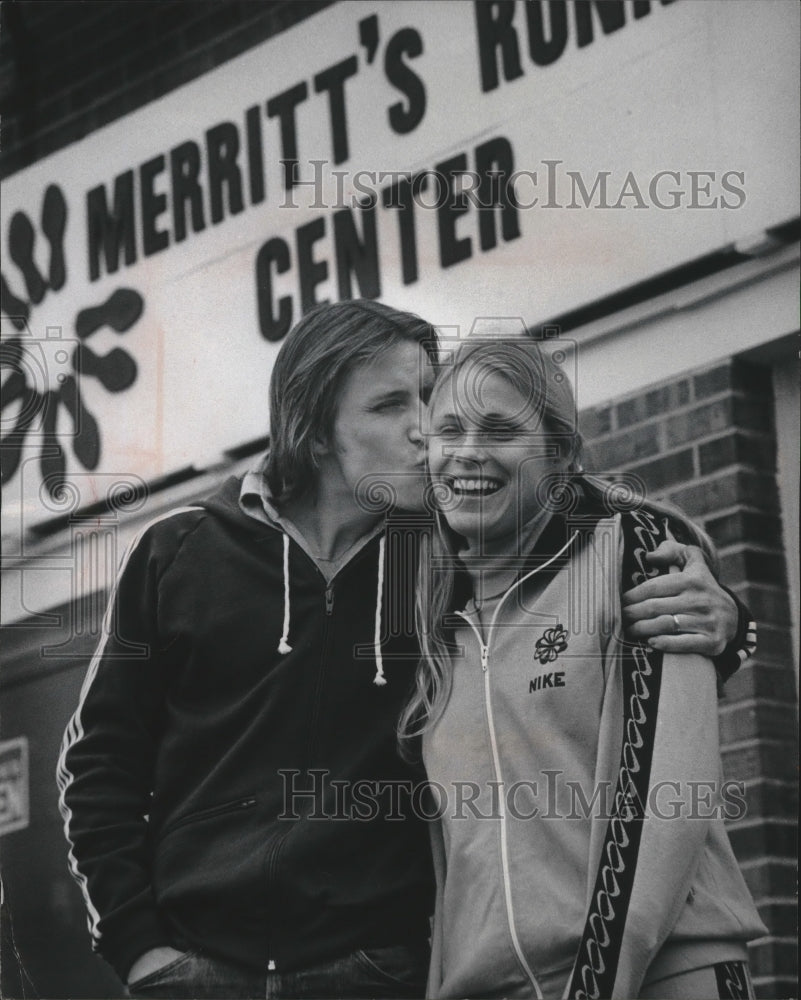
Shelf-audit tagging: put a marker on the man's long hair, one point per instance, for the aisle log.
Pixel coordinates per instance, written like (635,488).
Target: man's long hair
(321,350)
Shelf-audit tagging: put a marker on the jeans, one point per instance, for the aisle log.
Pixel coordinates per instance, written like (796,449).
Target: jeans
(391,971)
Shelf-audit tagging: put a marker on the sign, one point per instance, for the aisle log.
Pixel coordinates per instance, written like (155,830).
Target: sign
(460,160)
(14,785)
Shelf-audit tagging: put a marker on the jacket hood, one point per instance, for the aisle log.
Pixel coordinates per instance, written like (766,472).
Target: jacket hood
(236,498)
(241,502)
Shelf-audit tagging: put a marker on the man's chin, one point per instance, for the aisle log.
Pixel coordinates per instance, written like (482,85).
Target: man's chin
(390,493)
(413,502)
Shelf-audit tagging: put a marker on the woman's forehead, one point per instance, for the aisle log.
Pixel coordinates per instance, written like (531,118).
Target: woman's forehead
(481,389)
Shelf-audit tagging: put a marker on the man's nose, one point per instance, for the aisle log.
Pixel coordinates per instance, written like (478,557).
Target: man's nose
(415,431)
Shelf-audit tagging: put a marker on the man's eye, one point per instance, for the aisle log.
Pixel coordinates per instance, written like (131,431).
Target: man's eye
(449,431)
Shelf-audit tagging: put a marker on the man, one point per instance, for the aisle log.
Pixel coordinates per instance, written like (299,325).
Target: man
(238,817)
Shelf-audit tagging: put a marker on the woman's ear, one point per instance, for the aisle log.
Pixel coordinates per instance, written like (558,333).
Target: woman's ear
(574,466)
(573,457)
(563,460)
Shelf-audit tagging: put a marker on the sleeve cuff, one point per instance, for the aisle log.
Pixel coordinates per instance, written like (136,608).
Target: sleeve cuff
(142,932)
(741,646)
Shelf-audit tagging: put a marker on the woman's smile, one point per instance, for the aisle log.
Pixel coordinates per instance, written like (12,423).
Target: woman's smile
(473,488)
(490,451)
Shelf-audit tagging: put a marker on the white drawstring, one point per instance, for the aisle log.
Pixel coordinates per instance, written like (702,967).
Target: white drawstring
(283,645)
(379,678)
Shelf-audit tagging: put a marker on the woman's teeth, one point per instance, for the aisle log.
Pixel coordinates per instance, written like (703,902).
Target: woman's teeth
(475,487)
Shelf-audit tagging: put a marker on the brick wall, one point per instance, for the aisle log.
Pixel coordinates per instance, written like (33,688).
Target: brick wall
(68,68)
(706,441)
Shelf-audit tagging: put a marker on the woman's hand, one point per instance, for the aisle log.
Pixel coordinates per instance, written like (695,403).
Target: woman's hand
(683,611)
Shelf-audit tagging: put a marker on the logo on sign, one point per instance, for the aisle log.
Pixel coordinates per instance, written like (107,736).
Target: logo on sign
(43,369)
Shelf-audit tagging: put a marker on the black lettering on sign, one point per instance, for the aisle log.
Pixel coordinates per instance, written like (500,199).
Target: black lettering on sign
(352,245)
(153,205)
(497,36)
(406,42)
(272,257)
(333,80)
(222,149)
(399,196)
(610,13)
(311,272)
(111,231)
(494,167)
(355,255)
(255,155)
(368,36)
(185,171)
(545,47)
(643,7)
(548,31)
(282,106)
(450,206)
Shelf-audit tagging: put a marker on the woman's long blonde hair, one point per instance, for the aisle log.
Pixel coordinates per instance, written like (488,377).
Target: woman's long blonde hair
(540,380)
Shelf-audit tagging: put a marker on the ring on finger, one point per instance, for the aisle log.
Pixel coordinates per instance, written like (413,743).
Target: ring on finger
(676,624)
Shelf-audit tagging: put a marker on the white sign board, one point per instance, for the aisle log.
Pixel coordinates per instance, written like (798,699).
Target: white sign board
(454,159)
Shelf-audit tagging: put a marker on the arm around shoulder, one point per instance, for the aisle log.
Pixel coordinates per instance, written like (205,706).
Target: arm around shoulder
(687,610)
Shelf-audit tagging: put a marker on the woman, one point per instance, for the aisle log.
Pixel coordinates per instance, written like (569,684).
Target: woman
(580,847)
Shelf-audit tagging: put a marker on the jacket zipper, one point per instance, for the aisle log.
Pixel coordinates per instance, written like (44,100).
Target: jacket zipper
(202,814)
(329,610)
(496,763)
(271,870)
(318,684)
